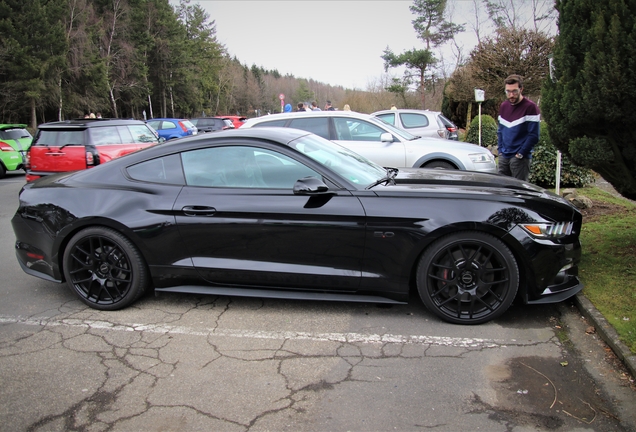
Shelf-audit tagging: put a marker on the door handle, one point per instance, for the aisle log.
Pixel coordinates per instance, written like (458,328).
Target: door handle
(198,211)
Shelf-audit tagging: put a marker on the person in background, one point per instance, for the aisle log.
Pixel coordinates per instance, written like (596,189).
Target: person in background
(300,107)
(99,115)
(393,107)
(518,130)
(314,106)
(346,108)
(91,115)
(328,106)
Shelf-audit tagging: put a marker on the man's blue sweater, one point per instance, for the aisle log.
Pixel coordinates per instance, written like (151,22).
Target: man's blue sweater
(518,130)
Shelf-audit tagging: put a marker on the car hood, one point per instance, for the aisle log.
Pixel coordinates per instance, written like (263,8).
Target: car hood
(466,182)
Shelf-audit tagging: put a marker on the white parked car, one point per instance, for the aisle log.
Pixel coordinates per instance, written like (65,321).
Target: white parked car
(382,143)
(422,123)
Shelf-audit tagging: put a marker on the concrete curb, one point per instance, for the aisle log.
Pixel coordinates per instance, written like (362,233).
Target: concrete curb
(606,332)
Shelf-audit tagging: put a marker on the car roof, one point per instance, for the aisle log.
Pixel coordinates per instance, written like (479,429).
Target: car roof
(301,114)
(406,110)
(12,126)
(87,123)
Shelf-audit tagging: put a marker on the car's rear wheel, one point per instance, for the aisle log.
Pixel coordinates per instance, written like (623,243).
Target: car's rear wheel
(468,277)
(440,165)
(3,170)
(104,268)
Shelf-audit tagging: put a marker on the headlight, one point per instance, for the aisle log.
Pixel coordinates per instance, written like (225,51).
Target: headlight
(482,158)
(549,230)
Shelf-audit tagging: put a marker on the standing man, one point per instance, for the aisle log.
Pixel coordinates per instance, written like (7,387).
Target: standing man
(518,130)
(328,106)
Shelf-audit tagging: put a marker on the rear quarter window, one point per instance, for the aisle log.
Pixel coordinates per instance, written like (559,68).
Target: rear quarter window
(318,126)
(413,120)
(165,170)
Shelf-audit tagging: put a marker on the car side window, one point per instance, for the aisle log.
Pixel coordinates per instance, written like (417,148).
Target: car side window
(140,134)
(411,120)
(168,125)
(318,126)
(242,167)
(165,170)
(388,118)
(273,123)
(104,135)
(357,130)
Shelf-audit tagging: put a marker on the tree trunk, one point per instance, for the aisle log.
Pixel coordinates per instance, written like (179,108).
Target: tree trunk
(34,120)
(59,108)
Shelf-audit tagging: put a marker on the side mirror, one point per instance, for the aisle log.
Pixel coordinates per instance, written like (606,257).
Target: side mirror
(310,186)
(386,137)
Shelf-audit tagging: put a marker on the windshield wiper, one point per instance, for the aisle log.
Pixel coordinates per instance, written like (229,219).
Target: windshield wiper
(388,178)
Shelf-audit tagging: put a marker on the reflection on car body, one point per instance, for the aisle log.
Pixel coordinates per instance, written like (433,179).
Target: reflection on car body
(282,213)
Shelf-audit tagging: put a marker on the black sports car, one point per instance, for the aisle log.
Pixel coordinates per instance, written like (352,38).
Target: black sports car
(283,213)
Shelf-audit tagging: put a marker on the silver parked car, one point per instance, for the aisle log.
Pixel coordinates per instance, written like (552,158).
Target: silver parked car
(382,143)
(422,123)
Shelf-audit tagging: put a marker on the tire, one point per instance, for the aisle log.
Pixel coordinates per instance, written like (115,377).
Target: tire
(440,165)
(3,170)
(104,268)
(468,277)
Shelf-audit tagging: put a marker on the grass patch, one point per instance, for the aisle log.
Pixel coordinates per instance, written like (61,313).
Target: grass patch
(607,268)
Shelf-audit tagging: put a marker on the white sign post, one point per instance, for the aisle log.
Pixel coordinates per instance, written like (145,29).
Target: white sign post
(480,96)
(282,101)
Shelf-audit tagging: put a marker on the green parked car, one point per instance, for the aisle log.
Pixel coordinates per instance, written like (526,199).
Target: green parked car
(15,140)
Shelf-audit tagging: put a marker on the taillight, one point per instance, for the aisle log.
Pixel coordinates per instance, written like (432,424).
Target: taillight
(27,160)
(451,129)
(5,147)
(90,159)
(185,129)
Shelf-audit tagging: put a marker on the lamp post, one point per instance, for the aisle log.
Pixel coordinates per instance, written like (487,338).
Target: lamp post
(480,96)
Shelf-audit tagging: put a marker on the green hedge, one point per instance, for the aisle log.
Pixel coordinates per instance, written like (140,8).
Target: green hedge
(543,169)
(488,131)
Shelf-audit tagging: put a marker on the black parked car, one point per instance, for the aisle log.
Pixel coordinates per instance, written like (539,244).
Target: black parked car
(283,213)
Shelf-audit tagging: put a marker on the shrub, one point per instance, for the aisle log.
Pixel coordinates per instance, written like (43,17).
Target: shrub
(488,131)
(543,169)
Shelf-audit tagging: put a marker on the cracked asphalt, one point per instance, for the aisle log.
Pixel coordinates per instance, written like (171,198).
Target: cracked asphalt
(203,363)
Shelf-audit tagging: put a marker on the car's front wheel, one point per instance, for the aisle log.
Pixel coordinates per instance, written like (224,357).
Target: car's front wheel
(468,277)
(440,165)
(104,268)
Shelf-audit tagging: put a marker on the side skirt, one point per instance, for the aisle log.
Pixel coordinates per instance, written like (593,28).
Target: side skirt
(278,294)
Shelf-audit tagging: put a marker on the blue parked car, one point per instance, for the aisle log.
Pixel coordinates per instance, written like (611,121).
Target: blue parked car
(169,128)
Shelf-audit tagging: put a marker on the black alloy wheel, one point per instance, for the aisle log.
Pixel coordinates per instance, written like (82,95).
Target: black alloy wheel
(104,268)
(468,277)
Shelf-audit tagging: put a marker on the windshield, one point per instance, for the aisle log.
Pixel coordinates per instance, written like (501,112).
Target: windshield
(348,164)
(401,132)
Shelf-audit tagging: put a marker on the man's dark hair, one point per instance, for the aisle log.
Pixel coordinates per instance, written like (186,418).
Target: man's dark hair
(514,79)
(300,105)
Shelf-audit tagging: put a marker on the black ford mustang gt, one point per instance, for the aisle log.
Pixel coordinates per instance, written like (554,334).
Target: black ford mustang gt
(283,213)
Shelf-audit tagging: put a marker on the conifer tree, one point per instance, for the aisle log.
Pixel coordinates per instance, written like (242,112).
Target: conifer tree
(590,103)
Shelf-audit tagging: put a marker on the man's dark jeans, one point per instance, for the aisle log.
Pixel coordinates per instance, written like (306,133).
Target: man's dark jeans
(515,167)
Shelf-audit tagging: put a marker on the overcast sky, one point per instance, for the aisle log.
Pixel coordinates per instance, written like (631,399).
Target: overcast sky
(338,42)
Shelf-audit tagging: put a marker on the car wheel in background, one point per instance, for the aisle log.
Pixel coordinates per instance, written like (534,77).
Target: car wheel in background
(468,278)
(440,165)
(104,268)
(3,171)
